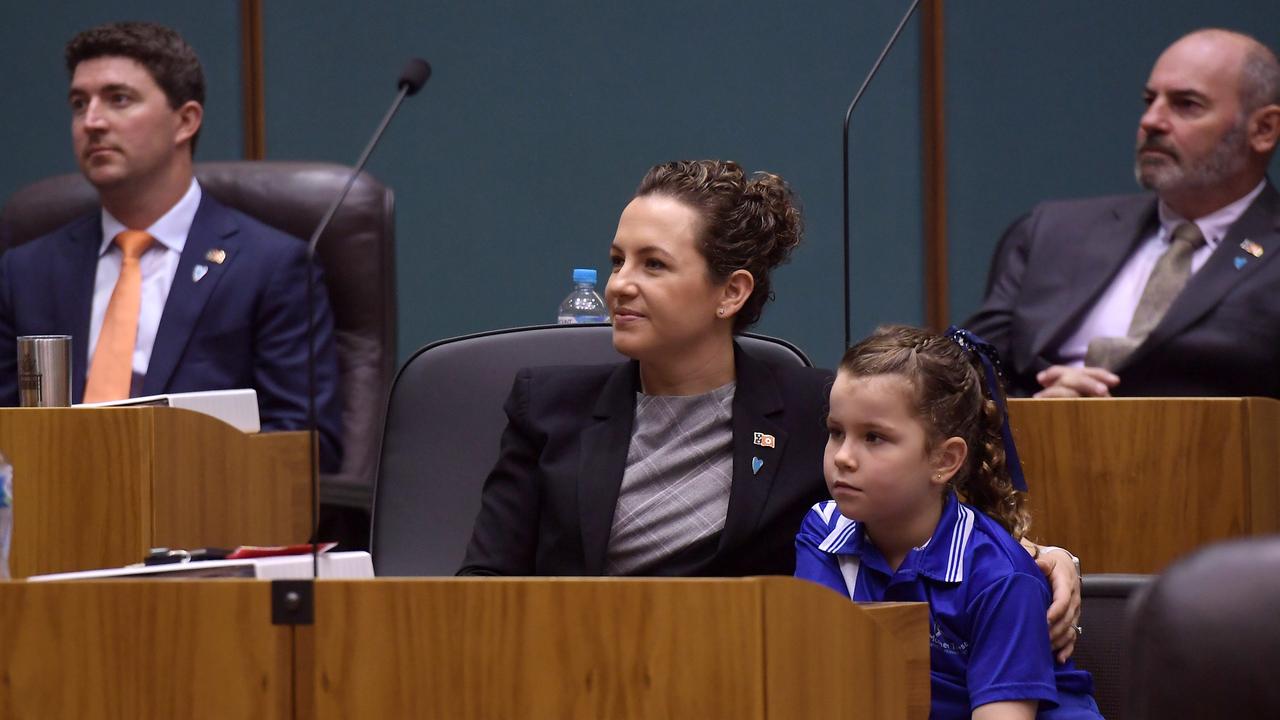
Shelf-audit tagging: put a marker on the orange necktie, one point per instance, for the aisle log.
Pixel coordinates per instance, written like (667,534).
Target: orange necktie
(111,372)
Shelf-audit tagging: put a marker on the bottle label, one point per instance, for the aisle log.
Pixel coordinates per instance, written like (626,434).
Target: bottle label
(578,319)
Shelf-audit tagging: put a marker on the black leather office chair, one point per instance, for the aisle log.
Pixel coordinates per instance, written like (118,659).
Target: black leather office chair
(444,421)
(357,253)
(1102,649)
(1206,636)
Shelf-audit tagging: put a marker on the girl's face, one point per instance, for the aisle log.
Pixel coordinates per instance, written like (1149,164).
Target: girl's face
(877,463)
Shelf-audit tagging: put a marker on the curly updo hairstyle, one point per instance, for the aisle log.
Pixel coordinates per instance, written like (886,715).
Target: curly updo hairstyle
(748,223)
(951,398)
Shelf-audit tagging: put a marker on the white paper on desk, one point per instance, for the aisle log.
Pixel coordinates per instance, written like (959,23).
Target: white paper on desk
(238,408)
(355,565)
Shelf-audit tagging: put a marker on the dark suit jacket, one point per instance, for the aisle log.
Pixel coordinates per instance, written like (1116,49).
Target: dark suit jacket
(547,506)
(243,325)
(1221,336)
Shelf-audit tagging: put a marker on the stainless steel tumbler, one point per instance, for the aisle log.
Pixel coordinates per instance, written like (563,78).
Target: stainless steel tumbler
(44,370)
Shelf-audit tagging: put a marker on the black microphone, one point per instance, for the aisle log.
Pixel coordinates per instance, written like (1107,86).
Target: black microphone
(849,113)
(415,74)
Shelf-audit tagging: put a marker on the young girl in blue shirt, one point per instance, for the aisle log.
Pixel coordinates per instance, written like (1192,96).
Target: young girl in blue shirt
(925,509)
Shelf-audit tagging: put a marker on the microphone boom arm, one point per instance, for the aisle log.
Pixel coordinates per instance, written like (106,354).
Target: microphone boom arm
(415,75)
(875,67)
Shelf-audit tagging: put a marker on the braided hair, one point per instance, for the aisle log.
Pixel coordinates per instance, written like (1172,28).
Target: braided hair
(951,397)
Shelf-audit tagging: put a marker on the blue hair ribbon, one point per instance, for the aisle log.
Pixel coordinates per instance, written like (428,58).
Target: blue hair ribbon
(990,359)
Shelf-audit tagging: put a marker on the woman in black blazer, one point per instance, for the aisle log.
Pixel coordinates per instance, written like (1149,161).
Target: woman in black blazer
(593,478)
(691,262)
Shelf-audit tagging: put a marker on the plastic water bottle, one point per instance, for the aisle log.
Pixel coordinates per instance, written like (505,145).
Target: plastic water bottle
(6,513)
(584,304)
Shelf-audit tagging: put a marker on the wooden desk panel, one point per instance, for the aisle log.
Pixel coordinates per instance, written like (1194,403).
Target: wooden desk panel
(81,498)
(98,487)
(463,649)
(752,648)
(226,488)
(1262,418)
(133,650)
(583,648)
(1132,484)
(818,655)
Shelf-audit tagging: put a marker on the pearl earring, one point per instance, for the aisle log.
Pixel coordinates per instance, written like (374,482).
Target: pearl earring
(719,312)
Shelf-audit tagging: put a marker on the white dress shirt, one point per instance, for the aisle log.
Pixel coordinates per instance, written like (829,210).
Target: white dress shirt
(1111,315)
(159,264)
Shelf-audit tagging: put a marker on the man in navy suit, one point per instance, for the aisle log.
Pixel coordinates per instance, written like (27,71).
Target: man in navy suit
(1073,280)
(222,296)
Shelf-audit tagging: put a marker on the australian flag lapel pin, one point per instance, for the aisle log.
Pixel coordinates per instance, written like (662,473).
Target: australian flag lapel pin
(216,256)
(1250,247)
(764,440)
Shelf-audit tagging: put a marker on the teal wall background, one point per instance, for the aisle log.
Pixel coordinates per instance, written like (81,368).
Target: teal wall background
(512,165)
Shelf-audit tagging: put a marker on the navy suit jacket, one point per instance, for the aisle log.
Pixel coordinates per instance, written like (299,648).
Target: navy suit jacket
(547,506)
(242,325)
(1221,336)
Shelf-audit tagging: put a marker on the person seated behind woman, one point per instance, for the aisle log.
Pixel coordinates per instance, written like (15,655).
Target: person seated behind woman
(913,428)
(693,458)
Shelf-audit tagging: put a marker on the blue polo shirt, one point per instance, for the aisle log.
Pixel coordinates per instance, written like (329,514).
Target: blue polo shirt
(988,637)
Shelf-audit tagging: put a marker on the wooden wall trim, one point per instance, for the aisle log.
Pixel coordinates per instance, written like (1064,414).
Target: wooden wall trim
(253,105)
(933,157)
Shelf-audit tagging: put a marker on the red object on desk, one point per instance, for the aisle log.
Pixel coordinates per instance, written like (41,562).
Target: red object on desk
(257,551)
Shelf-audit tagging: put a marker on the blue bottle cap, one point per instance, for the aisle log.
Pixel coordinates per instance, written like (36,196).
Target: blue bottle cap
(584,275)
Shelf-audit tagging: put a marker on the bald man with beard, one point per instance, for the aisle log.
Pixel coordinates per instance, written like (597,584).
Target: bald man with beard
(1175,291)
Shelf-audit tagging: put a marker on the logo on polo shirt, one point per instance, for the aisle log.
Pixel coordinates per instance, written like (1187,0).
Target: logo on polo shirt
(944,641)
